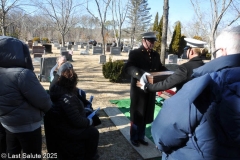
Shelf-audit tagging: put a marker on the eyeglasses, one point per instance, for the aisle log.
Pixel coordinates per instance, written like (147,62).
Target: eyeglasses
(215,52)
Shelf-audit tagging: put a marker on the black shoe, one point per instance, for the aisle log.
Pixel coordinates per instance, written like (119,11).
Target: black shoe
(135,143)
(143,142)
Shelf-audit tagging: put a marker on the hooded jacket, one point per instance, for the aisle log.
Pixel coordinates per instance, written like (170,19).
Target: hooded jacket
(202,121)
(23,100)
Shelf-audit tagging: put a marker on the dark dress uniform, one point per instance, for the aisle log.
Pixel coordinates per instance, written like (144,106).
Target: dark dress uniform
(142,104)
(178,78)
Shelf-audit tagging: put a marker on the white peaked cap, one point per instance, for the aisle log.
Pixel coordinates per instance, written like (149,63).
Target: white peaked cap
(194,43)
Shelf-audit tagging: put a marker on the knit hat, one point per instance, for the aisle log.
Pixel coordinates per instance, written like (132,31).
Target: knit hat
(64,67)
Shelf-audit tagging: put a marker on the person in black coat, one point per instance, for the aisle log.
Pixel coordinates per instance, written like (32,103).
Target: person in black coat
(76,136)
(140,62)
(195,49)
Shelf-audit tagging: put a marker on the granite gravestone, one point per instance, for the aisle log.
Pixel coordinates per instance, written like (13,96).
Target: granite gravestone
(97,50)
(172,58)
(115,50)
(46,65)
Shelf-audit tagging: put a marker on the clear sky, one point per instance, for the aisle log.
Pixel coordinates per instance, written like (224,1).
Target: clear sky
(179,10)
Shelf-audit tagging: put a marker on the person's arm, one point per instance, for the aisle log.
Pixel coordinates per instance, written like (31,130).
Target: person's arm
(180,115)
(51,72)
(130,67)
(178,77)
(71,105)
(33,91)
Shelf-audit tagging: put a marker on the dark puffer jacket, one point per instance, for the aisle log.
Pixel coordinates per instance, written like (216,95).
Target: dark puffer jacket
(72,118)
(23,100)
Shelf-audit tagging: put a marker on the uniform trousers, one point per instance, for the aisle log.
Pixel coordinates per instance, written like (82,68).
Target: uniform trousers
(137,132)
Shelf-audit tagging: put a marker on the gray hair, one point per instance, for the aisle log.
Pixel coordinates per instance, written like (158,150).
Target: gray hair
(229,39)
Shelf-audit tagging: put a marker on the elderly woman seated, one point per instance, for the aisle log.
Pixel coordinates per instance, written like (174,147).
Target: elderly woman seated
(69,132)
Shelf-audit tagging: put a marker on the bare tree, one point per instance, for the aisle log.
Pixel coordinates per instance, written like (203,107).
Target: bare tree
(61,13)
(102,14)
(164,31)
(8,6)
(218,10)
(119,12)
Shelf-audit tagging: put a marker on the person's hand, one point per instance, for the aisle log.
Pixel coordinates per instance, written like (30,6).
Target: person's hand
(60,61)
(143,79)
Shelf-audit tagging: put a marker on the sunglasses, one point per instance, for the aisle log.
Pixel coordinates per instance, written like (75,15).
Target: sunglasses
(215,52)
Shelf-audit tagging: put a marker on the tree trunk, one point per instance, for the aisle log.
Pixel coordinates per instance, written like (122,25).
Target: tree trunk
(103,38)
(164,31)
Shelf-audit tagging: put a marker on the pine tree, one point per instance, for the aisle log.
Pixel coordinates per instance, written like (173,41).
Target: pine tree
(157,45)
(174,47)
(139,17)
(155,24)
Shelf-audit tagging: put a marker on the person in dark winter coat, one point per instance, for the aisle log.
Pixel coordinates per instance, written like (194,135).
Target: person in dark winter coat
(75,134)
(23,100)
(195,48)
(201,121)
(140,62)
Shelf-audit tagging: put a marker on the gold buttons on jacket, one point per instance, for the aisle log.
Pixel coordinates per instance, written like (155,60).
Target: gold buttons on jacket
(136,74)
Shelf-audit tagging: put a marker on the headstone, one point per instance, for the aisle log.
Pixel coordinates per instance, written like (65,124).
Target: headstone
(46,66)
(90,46)
(77,43)
(108,48)
(56,45)
(69,47)
(115,50)
(85,43)
(97,50)
(82,46)
(126,48)
(102,59)
(48,48)
(65,53)
(75,47)
(35,43)
(62,49)
(172,58)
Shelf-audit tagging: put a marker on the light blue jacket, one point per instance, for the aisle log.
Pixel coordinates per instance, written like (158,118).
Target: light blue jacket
(202,120)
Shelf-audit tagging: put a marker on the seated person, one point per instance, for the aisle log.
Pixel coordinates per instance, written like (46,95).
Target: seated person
(55,74)
(77,138)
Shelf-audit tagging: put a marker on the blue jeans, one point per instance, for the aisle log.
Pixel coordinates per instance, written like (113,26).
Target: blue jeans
(137,131)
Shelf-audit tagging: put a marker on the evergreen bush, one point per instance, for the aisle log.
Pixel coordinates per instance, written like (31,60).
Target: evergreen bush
(36,39)
(112,70)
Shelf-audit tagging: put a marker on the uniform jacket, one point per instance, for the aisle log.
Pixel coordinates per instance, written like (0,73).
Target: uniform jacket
(178,78)
(142,104)
(23,100)
(194,123)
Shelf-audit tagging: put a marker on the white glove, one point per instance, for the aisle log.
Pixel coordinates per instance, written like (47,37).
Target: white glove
(142,83)
(144,77)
